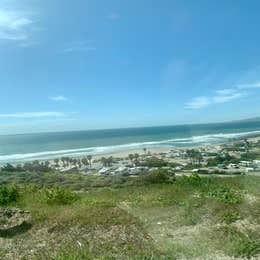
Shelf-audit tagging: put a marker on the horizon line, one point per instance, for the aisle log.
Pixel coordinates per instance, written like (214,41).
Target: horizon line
(137,127)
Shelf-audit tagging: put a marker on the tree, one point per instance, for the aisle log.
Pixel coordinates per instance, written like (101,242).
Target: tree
(131,157)
(107,161)
(145,150)
(89,157)
(194,156)
(247,145)
(104,161)
(64,161)
(56,162)
(85,161)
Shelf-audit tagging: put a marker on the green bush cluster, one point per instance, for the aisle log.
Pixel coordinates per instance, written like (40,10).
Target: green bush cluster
(59,196)
(212,189)
(153,162)
(193,180)
(159,176)
(248,248)
(231,217)
(8,194)
(226,195)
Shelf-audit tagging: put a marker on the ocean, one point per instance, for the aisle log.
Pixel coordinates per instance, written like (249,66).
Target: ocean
(41,146)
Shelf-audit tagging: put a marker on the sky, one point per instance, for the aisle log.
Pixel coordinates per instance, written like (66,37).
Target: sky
(93,64)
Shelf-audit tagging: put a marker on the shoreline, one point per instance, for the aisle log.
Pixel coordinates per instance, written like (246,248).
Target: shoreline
(140,151)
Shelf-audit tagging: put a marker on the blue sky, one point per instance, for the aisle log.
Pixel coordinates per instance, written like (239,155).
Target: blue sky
(87,64)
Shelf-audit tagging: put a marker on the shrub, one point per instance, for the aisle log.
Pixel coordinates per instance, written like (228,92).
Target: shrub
(248,248)
(209,188)
(58,195)
(159,176)
(8,194)
(225,194)
(230,217)
(193,180)
(10,168)
(153,162)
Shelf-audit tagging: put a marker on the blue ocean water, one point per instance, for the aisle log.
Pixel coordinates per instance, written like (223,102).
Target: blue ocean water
(40,146)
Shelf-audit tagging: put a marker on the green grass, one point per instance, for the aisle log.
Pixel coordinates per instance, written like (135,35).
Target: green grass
(136,218)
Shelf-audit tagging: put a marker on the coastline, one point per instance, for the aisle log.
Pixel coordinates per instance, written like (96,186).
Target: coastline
(125,152)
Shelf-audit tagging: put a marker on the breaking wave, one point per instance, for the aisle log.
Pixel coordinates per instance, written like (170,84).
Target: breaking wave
(177,142)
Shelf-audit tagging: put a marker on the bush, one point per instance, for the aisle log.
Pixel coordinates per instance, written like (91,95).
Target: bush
(226,195)
(10,168)
(230,217)
(153,162)
(193,180)
(209,188)
(159,176)
(248,248)
(59,196)
(8,194)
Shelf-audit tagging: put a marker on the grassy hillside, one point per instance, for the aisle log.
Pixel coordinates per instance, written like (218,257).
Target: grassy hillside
(147,217)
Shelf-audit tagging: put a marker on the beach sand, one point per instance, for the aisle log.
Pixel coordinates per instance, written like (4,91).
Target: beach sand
(125,153)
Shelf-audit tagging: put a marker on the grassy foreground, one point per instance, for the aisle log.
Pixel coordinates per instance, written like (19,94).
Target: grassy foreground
(147,217)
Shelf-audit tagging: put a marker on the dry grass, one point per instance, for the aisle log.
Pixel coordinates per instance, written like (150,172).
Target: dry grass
(180,220)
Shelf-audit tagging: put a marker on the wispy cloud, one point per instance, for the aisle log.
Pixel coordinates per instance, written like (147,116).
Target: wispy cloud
(226,91)
(59,98)
(114,16)
(224,98)
(79,46)
(248,86)
(221,96)
(197,103)
(14,25)
(33,115)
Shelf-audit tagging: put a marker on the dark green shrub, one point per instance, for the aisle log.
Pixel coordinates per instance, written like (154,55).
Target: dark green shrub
(8,194)
(153,162)
(230,217)
(59,196)
(225,194)
(248,248)
(193,180)
(159,176)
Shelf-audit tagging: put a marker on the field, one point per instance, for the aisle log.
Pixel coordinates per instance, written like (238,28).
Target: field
(146,217)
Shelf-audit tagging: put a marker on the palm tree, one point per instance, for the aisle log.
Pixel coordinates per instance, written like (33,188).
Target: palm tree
(131,157)
(110,160)
(56,162)
(89,157)
(145,150)
(247,145)
(85,161)
(136,156)
(104,161)
(63,159)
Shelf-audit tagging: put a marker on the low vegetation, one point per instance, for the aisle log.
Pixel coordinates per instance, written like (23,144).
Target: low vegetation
(8,194)
(58,196)
(151,216)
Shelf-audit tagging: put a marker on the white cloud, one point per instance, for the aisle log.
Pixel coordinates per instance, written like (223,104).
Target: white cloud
(59,98)
(221,96)
(248,86)
(79,46)
(197,103)
(226,91)
(14,26)
(33,115)
(224,98)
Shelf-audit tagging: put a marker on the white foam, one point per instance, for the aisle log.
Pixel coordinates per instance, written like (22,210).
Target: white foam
(194,140)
